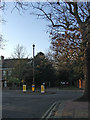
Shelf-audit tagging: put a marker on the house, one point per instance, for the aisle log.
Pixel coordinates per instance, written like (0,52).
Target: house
(7,66)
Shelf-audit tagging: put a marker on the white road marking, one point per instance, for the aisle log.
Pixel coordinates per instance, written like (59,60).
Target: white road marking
(48,111)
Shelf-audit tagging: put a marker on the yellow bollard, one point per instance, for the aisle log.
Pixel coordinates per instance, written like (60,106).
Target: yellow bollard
(42,89)
(24,88)
(33,88)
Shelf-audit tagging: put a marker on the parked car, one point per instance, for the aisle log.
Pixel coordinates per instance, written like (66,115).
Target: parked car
(64,83)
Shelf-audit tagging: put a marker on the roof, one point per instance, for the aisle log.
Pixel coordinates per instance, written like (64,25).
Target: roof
(9,63)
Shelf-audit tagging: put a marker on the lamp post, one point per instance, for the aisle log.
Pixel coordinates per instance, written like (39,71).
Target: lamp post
(33,86)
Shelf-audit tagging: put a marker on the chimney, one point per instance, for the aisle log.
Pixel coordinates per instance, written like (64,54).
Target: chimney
(2,59)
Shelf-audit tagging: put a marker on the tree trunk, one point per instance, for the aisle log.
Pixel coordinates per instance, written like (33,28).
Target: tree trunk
(88,50)
(87,70)
(86,42)
(86,73)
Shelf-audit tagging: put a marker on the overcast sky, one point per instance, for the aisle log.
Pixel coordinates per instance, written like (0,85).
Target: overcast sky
(25,30)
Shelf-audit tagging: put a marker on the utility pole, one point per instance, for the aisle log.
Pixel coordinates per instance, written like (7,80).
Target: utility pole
(33,86)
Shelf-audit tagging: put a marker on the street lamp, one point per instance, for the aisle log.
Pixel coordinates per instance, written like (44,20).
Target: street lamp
(33,86)
(33,63)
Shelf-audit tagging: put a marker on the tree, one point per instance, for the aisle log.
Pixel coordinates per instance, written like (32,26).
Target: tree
(3,5)
(23,70)
(44,71)
(21,62)
(1,41)
(67,18)
(19,68)
(1,20)
(27,73)
(19,52)
(12,81)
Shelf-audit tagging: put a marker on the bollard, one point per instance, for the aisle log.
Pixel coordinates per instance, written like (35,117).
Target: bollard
(79,83)
(42,89)
(33,88)
(24,88)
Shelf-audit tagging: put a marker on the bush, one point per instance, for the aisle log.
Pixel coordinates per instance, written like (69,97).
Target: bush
(13,81)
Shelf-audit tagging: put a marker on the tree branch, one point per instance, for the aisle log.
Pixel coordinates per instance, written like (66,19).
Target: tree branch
(69,3)
(76,13)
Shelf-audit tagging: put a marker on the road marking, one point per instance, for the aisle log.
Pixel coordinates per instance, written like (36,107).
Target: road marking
(49,111)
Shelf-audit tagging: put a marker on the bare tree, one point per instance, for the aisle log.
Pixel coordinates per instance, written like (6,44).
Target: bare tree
(18,5)
(19,52)
(1,42)
(2,5)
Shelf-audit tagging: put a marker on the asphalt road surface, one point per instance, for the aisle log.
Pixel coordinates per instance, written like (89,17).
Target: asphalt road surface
(16,104)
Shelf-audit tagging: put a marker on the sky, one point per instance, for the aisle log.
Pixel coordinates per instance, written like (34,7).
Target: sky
(25,30)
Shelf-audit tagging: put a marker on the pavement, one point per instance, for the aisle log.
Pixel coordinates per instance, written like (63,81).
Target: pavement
(70,109)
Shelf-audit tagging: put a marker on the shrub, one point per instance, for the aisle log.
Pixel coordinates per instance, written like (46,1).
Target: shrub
(13,81)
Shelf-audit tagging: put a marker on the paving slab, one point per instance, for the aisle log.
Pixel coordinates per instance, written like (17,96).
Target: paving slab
(72,109)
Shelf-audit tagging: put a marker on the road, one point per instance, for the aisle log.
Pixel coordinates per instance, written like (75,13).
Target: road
(16,104)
